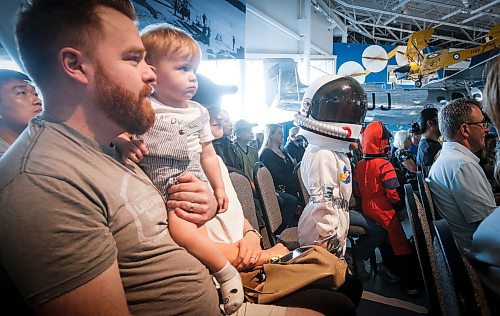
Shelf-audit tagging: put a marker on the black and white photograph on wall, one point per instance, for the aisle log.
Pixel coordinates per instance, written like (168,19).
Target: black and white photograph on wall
(217,25)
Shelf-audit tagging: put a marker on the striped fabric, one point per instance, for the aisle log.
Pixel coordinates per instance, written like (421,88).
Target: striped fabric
(168,150)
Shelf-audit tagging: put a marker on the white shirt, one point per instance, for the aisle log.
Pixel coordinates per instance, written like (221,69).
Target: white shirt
(227,227)
(327,177)
(461,191)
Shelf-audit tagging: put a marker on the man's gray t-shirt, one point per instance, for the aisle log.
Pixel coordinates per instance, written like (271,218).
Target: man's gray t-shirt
(69,209)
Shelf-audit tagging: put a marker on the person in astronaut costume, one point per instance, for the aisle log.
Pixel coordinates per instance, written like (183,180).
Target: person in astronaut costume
(330,117)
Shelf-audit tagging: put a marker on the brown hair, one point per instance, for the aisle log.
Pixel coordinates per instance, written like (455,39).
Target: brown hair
(164,40)
(46,26)
(491,103)
(491,93)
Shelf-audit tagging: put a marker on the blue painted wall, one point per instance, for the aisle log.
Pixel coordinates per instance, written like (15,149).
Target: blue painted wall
(353,52)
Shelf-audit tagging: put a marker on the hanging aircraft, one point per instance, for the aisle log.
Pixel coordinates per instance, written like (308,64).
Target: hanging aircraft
(421,65)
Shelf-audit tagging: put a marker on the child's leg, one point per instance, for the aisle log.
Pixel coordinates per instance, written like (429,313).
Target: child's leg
(186,234)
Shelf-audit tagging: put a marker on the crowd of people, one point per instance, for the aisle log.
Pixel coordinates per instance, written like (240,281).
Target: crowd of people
(116,199)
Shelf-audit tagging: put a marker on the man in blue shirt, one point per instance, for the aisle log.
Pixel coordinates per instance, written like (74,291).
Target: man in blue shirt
(460,189)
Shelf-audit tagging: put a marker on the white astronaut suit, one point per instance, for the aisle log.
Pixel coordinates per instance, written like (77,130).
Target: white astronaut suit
(330,118)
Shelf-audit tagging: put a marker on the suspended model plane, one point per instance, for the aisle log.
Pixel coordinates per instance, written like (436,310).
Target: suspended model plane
(421,65)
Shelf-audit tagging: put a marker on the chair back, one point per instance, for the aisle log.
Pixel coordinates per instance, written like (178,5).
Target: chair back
(425,251)
(243,188)
(303,191)
(264,185)
(426,199)
(469,291)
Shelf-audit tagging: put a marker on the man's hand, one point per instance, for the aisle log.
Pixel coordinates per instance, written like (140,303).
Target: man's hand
(249,251)
(130,149)
(192,200)
(222,200)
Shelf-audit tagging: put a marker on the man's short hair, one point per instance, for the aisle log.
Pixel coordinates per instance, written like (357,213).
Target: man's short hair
(454,114)
(46,26)
(163,40)
(7,75)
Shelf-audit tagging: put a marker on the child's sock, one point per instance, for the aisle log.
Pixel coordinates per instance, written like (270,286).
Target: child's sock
(230,287)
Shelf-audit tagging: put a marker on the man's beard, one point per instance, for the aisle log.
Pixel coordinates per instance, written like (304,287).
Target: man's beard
(134,114)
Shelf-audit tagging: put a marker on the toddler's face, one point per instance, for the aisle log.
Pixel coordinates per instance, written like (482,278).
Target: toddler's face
(176,79)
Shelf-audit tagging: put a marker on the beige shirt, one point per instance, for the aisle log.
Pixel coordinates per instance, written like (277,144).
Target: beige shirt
(69,209)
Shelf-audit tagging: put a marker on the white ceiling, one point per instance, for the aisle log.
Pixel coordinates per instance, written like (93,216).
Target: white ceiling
(458,23)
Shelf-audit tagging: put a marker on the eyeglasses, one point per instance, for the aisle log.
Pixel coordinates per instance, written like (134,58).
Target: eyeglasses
(482,124)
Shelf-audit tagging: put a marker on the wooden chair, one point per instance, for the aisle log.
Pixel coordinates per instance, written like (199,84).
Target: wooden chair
(470,295)
(243,188)
(425,252)
(264,185)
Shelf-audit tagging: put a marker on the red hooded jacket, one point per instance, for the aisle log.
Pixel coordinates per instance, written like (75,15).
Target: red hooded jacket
(376,182)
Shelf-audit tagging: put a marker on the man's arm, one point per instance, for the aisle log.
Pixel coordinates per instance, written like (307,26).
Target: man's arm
(103,295)
(192,200)
(475,202)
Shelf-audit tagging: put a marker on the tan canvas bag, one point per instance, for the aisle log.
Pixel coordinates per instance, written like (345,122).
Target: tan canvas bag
(316,265)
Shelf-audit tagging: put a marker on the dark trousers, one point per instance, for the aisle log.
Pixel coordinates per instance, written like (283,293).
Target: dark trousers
(328,302)
(288,206)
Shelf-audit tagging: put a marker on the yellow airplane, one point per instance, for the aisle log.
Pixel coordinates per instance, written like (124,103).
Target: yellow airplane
(421,65)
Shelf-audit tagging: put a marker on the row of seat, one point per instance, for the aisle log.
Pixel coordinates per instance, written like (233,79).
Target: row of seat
(264,186)
(451,284)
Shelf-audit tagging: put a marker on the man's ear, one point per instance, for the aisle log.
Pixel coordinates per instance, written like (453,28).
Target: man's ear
(465,130)
(72,62)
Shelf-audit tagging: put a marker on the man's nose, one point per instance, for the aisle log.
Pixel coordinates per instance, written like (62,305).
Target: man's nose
(36,100)
(149,75)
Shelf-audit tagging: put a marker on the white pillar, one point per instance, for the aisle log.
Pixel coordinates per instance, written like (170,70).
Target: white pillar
(306,32)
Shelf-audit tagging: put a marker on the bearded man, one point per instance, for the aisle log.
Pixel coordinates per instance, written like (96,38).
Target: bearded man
(80,233)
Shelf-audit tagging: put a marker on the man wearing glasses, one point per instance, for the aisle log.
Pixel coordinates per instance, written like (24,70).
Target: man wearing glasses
(461,191)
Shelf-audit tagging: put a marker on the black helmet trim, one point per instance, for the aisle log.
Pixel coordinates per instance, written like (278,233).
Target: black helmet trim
(320,128)
(370,156)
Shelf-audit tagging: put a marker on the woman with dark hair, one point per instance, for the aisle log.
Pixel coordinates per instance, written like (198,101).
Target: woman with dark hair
(428,146)
(414,131)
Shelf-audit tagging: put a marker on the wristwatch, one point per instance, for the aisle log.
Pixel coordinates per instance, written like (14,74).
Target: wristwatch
(253,230)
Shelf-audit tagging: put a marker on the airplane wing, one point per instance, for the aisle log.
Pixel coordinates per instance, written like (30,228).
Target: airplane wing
(474,75)
(417,42)
(434,61)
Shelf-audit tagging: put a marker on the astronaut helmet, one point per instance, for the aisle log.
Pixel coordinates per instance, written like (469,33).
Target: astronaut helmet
(332,112)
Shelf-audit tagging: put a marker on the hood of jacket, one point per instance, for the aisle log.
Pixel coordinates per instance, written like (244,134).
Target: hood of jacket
(375,141)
